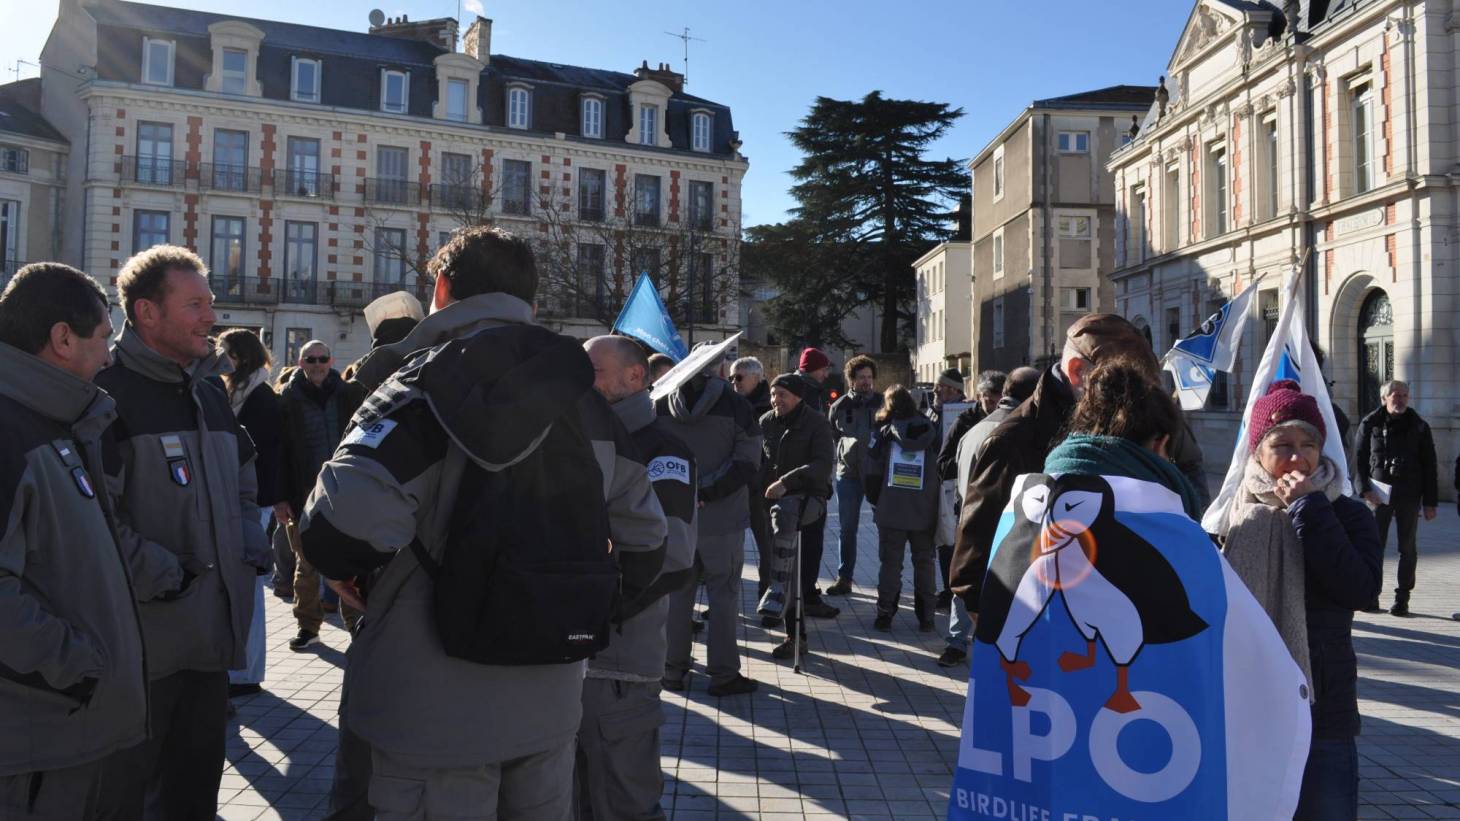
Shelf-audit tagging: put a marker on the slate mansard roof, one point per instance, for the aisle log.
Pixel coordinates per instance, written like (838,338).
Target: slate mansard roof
(352,61)
(20,105)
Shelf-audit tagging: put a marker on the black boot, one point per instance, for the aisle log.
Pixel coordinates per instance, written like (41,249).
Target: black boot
(1401,603)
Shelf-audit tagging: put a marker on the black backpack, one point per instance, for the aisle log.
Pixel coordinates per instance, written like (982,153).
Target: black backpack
(527,575)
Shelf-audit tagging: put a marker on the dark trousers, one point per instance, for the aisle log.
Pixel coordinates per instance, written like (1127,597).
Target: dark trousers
(1330,782)
(945,562)
(813,538)
(175,773)
(1404,512)
(350,791)
(760,529)
(283,564)
(69,794)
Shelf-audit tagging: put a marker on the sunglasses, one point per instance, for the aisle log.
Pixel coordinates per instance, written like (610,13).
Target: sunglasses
(316,360)
(737,377)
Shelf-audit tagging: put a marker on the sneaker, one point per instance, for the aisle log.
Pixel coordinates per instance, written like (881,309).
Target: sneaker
(773,603)
(672,684)
(952,657)
(821,610)
(738,686)
(1400,609)
(842,587)
(945,601)
(770,622)
(239,690)
(303,641)
(883,622)
(786,648)
(926,626)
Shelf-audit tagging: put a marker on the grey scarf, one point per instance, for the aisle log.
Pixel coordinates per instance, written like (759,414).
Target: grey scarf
(1263,549)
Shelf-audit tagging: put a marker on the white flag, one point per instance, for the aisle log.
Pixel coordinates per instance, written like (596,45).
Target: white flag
(1194,361)
(1288,356)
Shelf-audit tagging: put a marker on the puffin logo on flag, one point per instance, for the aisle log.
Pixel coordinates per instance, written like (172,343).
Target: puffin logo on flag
(1120,669)
(180,471)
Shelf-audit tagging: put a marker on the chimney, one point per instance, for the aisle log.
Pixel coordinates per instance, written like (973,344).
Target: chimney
(663,74)
(440,32)
(478,40)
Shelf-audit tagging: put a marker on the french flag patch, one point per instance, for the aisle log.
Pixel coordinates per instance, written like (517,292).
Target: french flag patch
(182,473)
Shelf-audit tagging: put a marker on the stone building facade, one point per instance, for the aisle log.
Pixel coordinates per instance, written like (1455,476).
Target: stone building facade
(32,179)
(1321,135)
(316,169)
(943,282)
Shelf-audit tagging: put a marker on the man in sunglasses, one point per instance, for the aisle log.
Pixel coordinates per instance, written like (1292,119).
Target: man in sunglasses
(317,405)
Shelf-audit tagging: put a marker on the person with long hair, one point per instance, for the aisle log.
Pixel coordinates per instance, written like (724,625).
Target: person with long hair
(904,485)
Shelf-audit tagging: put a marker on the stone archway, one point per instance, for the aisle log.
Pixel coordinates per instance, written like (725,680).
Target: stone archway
(1376,346)
(1346,353)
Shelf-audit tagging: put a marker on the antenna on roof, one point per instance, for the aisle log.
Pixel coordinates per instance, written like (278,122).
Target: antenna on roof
(19,63)
(377,17)
(684,36)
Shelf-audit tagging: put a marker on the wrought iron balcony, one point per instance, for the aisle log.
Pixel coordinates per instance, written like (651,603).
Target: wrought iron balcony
(309,184)
(342,294)
(242,290)
(454,197)
(148,170)
(390,191)
(245,179)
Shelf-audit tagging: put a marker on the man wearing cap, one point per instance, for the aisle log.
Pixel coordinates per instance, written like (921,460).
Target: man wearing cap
(814,367)
(1022,441)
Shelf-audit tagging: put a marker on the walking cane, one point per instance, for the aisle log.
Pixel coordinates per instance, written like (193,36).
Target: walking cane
(800,612)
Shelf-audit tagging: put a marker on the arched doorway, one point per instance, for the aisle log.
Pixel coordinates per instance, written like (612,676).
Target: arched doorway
(1376,348)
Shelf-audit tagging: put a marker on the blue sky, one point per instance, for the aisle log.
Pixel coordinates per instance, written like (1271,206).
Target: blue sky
(769,60)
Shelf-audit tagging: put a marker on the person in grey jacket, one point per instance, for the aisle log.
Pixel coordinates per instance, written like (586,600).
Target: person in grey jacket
(719,427)
(73,687)
(180,476)
(617,774)
(469,739)
(904,487)
(851,422)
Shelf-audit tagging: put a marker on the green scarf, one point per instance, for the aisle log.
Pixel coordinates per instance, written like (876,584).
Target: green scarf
(1090,455)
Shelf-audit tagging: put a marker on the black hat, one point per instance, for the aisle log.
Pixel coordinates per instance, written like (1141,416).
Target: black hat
(791,382)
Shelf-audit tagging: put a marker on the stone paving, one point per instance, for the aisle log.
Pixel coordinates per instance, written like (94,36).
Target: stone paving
(871,730)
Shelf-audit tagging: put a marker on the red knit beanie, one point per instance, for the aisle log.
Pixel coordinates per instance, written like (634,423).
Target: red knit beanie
(813,359)
(1284,402)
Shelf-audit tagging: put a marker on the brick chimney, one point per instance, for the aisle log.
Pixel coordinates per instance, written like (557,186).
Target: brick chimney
(440,32)
(663,74)
(478,40)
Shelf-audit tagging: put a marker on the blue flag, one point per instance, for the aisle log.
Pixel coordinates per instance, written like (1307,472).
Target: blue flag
(645,318)
(1120,668)
(1195,360)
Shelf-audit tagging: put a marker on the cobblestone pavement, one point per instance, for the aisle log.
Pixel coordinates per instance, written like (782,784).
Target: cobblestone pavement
(871,730)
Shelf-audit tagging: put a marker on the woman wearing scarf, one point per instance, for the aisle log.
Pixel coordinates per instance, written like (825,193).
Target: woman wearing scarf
(904,487)
(1311,557)
(256,407)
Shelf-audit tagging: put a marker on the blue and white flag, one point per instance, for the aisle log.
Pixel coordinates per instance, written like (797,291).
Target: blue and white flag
(1194,361)
(1120,668)
(645,318)
(1288,356)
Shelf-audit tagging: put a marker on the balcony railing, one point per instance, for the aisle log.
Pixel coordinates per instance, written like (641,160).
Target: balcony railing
(390,191)
(154,171)
(300,290)
(342,294)
(311,184)
(242,290)
(457,197)
(230,177)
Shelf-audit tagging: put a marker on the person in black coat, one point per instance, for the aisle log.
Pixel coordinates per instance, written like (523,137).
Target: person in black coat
(747,377)
(1397,448)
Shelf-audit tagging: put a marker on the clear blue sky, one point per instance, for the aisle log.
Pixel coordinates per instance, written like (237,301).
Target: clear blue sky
(769,60)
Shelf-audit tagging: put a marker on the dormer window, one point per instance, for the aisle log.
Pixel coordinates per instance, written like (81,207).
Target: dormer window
(235,70)
(519,106)
(157,61)
(648,124)
(394,91)
(592,117)
(456,100)
(305,81)
(699,131)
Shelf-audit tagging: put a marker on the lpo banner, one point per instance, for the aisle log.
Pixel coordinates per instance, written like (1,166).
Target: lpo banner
(1120,669)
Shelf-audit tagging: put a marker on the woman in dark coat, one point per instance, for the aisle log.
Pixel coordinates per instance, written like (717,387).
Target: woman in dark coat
(1311,556)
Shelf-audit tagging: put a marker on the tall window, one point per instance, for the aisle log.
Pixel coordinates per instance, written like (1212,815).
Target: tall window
(1138,249)
(230,160)
(998,176)
(645,261)
(592,117)
(235,71)
(701,205)
(1362,101)
(304,178)
(1074,242)
(591,184)
(390,171)
(154,153)
(998,323)
(14,160)
(1074,142)
(700,131)
(592,290)
(304,87)
(157,61)
(998,253)
(704,286)
(301,252)
(1217,172)
(9,236)
(149,228)
(648,125)
(1171,209)
(458,172)
(519,105)
(395,91)
(516,187)
(227,255)
(646,200)
(456,100)
(1270,142)
(390,256)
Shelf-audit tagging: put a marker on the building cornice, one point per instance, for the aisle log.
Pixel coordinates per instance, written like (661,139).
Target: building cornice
(35,143)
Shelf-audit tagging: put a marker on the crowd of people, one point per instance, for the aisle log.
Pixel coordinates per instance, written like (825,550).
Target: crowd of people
(515,533)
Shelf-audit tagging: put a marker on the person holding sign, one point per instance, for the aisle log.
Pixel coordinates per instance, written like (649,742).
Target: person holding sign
(903,486)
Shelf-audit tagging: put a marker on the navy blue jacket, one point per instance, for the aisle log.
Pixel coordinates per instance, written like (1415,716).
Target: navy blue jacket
(1344,562)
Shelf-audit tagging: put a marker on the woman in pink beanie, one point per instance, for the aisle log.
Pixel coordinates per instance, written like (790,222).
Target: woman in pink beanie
(1311,557)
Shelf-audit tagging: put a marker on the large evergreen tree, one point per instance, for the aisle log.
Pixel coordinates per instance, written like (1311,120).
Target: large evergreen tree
(867,195)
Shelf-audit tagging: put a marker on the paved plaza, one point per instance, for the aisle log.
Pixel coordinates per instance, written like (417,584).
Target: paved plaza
(871,730)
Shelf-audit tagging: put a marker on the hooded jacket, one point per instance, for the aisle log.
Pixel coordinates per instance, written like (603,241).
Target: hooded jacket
(718,426)
(904,484)
(394,478)
(851,418)
(1017,446)
(73,684)
(638,646)
(180,474)
(798,451)
(1399,451)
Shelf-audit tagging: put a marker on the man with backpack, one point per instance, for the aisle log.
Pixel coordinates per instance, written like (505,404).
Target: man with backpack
(496,492)
(618,773)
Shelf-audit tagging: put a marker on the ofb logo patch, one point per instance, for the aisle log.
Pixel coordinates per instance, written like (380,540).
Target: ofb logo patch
(370,435)
(669,468)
